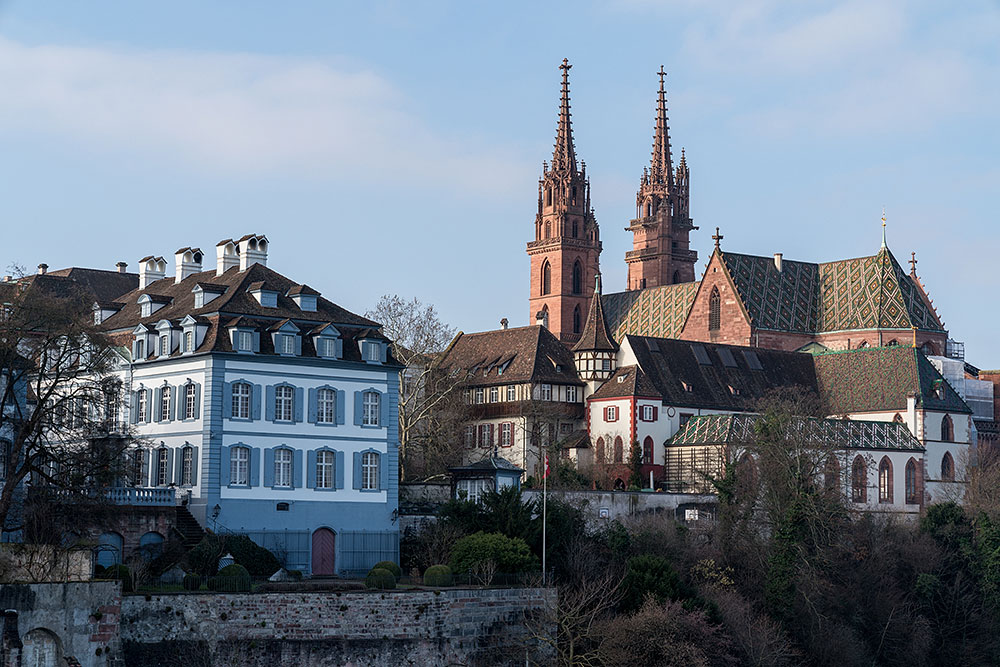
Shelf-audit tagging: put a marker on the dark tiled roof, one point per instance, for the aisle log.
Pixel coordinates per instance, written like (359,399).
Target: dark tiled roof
(627,381)
(595,331)
(302,289)
(489,463)
(104,285)
(880,378)
(526,354)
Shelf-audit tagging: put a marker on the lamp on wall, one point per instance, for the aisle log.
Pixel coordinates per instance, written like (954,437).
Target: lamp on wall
(395,514)
(216,511)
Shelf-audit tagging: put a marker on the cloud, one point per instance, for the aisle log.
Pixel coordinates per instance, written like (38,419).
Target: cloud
(238,113)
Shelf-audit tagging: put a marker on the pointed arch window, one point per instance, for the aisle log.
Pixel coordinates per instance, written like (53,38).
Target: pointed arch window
(714,310)
(947,429)
(546,278)
(677,277)
(831,474)
(576,320)
(885,480)
(910,479)
(859,480)
(947,468)
(577,278)
(647,450)
(619,450)
(599,450)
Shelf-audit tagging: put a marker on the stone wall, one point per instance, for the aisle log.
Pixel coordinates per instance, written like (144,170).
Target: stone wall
(599,507)
(312,629)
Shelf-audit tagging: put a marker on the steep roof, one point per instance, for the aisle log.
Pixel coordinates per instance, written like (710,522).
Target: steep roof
(595,331)
(104,285)
(503,356)
(654,311)
(880,378)
(627,381)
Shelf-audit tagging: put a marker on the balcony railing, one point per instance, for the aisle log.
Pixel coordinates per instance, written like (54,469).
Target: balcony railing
(142,497)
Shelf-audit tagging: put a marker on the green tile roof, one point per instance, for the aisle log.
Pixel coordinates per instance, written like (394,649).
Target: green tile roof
(655,311)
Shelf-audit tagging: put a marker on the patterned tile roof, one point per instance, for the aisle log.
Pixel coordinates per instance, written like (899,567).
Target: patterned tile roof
(837,433)
(655,311)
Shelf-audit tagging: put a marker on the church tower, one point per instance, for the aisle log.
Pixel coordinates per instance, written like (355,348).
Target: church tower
(660,252)
(565,252)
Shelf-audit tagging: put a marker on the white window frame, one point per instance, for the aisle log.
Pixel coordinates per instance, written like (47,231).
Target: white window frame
(284,403)
(189,400)
(283,468)
(164,345)
(244,341)
(239,466)
(325,462)
(140,348)
(494,394)
(162,466)
(612,413)
(369,471)
(189,341)
(326,406)
(511,392)
(571,394)
(138,457)
(506,434)
(187,461)
(242,392)
(546,392)
(286,344)
(473,489)
(140,406)
(480,395)
(371,407)
(647,413)
(165,393)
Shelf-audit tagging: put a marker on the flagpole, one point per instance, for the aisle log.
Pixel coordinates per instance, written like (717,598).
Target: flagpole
(545,487)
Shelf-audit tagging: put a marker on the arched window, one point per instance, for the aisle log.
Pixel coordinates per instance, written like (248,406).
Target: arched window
(947,429)
(885,480)
(576,320)
(162,466)
(649,208)
(187,465)
(150,545)
(599,449)
(898,418)
(619,450)
(859,480)
(862,344)
(577,278)
(548,229)
(647,451)
(548,196)
(831,474)
(546,278)
(910,479)
(714,310)
(947,468)
(677,277)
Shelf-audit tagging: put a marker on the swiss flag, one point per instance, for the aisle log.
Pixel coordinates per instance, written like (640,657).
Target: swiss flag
(546,474)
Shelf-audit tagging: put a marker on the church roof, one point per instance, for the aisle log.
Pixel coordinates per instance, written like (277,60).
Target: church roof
(655,311)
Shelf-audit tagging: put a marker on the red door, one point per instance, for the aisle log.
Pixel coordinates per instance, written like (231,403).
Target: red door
(322,556)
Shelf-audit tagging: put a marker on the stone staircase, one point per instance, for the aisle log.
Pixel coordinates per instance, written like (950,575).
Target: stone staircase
(190,530)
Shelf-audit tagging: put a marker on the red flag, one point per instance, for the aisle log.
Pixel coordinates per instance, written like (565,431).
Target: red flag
(546,467)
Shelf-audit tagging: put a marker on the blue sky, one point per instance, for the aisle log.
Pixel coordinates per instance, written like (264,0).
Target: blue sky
(395,147)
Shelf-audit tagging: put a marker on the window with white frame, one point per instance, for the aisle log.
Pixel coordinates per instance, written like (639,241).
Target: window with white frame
(606,365)
(189,341)
(571,394)
(324,470)
(486,435)
(162,467)
(241,400)
(140,406)
(371,404)
(472,489)
(326,406)
(511,392)
(284,402)
(140,348)
(506,434)
(244,341)
(546,392)
(647,413)
(189,401)
(372,352)
(165,395)
(470,436)
(611,413)
(327,347)
(286,344)
(480,395)
(494,394)
(369,470)
(164,345)
(283,467)
(187,466)
(239,466)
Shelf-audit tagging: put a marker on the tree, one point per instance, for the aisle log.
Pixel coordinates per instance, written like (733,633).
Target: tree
(428,401)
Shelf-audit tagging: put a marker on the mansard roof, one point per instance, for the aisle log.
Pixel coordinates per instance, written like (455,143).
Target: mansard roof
(654,311)
(740,430)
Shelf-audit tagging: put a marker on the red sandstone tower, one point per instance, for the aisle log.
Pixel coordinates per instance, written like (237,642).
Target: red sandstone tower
(567,246)
(661,254)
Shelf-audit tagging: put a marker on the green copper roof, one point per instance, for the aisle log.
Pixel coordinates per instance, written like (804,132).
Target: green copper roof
(659,312)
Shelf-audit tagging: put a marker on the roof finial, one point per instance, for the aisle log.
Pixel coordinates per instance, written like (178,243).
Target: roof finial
(717,237)
(913,263)
(564,155)
(662,166)
(883,226)
(597,283)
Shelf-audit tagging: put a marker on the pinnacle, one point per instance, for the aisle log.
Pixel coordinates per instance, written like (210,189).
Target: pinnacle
(661,164)
(564,153)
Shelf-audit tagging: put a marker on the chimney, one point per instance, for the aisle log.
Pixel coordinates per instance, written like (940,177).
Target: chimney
(188,263)
(151,269)
(226,256)
(122,267)
(252,250)
(503,323)
(42,269)
(777,261)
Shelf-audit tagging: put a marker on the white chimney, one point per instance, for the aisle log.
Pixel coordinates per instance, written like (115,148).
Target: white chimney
(151,269)
(503,323)
(187,262)
(43,269)
(777,260)
(226,256)
(122,267)
(252,250)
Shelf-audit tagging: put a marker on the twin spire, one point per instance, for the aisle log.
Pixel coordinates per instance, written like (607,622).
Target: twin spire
(564,155)
(661,167)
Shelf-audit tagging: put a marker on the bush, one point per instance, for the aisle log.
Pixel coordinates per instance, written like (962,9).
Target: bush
(389,565)
(296,574)
(203,559)
(233,579)
(212,584)
(438,575)
(649,575)
(510,555)
(380,579)
(258,561)
(122,574)
(99,571)
(191,582)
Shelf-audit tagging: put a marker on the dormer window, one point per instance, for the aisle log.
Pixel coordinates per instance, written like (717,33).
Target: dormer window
(266,297)
(371,351)
(188,341)
(304,297)
(327,347)
(286,344)
(149,304)
(164,345)
(205,293)
(244,341)
(139,349)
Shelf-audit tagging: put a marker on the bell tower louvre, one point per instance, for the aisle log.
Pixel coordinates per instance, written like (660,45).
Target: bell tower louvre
(567,246)
(660,253)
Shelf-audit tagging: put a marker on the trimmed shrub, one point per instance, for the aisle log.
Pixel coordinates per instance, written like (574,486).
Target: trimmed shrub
(233,579)
(122,574)
(296,574)
(389,565)
(438,575)
(258,561)
(509,554)
(191,582)
(380,579)
(203,559)
(99,571)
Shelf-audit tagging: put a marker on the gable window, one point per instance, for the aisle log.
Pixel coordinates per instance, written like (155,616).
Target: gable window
(244,341)
(284,402)
(187,466)
(324,470)
(283,468)
(947,468)
(947,429)
(506,434)
(714,310)
(140,348)
(241,400)
(141,407)
(859,480)
(239,466)
(494,394)
(546,392)
(910,479)
(511,392)
(885,480)
(189,401)
(165,395)
(326,406)
(369,471)
(162,466)
(370,408)
(286,344)
(164,345)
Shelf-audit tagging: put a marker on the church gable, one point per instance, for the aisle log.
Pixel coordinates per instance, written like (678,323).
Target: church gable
(718,313)
(778,294)
(656,311)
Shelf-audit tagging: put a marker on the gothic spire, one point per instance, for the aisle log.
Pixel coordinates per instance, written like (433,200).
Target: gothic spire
(595,335)
(564,155)
(661,170)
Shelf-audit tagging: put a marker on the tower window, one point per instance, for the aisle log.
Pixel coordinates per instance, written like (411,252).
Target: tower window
(546,276)
(574,197)
(577,278)
(548,196)
(576,228)
(714,308)
(576,320)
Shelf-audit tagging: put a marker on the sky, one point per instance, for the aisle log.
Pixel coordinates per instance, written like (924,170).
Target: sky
(395,147)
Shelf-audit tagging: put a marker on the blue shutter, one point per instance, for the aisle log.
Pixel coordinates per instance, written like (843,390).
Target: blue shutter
(173,402)
(269,466)
(178,466)
(357,470)
(311,469)
(339,471)
(177,402)
(341,400)
(385,417)
(145,467)
(269,403)
(256,341)
(194,466)
(170,465)
(255,403)
(224,466)
(255,466)
(197,400)
(157,401)
(297,469)
(227,400)
(133,413)
(383,472)
(313,405)
(357,408)
(149,405)
(298,346)
(297,408)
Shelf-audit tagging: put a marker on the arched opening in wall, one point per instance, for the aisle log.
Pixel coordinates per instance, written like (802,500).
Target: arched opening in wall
(323,552)
(41,648)
(885,480)
(649,208)
(599,451)
(947,429)
(714,310)
(619,450)
(831,473)
(677,277)
(910,482)
(619,484)
(892,343)
(150,545)
(862,344)
(647,451)
(897,418)
(859,480)
(573,196)
(947,468)
(548,228)
(109,549)
(576,320)
(546,277)
(548,196)
(577,277)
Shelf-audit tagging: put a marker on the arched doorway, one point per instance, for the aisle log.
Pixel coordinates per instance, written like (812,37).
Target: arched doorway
(41,649)
(323,543)
(109,549)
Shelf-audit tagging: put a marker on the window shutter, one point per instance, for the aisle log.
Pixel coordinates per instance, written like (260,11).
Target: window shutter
(656,413)
(311,469)
(339,346)
(133,413)
(224,465)
(255,403)
(145,467)
(170,466)
(255,466)
(269,403)
(339,471)
(313,406)
(177,402)
(173,402)
(298,346)
(297,408)
(357,409)
(357,470)
(256,341)
(269,466)
(386,416)
(178,466)
(197,400)
(227,400)
(383,472)
(605,414)
(341,400)
(149,405)
(297,469)
(194,466)
(157,404)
